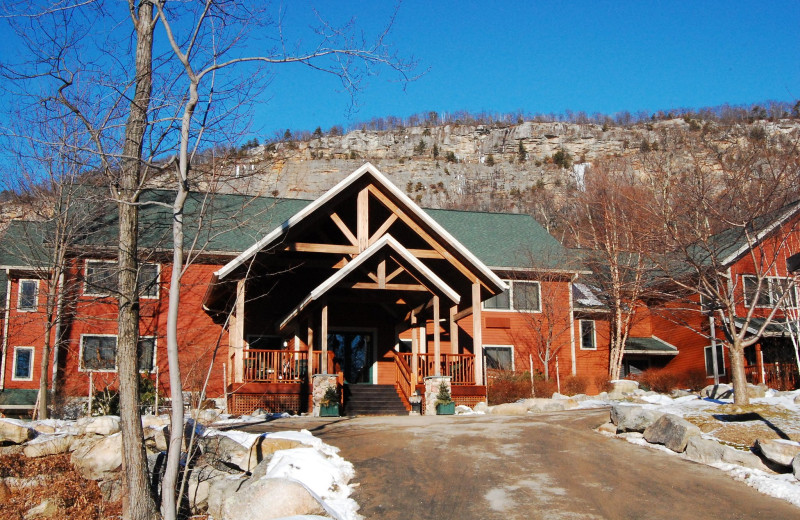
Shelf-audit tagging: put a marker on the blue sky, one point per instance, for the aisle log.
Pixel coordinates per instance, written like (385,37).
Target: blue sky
(544,57)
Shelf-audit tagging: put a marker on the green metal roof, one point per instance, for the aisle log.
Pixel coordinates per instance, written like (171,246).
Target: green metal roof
(651,345)
(17,398)
(228,223)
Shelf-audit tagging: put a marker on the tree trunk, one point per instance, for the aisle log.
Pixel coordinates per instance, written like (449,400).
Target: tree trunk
(139,504)
(42,412)
(738,377)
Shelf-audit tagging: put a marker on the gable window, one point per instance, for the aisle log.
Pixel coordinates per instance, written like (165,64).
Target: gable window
(521,296)
(772,289)
(710,361)
(499,357)
(101,278)
(588,335)
(28,295)
(23,364)
(99,352)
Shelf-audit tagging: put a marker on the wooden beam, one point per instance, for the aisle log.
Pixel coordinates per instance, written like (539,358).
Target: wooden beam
(341,263)
(323,337)
(395,273)
(414,350)
(362,219)
(383,229)
(310,342)
(238,335)
(390,286)
(453,330)
(307,247)
(382,273)
(462,314)
(437,341)
(426,253)
(421,232)
(344,229)
(477,332)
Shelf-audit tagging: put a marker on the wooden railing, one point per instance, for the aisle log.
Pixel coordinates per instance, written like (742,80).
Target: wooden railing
(280,366)
(780,376)
(460,367)
(402,375)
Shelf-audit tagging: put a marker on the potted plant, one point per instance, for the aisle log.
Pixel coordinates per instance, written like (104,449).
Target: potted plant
(329,404)
(444,404)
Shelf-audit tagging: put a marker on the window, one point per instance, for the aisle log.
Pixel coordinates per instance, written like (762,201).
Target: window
(23,364)
(146,352)
(148,280)
(521,296)
(28,292)
(499,357)
(587,335)
(710,361)
(772,289)
(101,278)
(100,353)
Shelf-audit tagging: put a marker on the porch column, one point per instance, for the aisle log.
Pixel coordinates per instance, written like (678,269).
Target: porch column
(237,334)
(437,344)
(453,330)
(760,362)
(310,343)
(414,350)
(477,332)
(323,338)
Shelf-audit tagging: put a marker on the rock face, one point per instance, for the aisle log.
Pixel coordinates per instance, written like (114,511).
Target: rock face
(779,451)
(103,425)
(49,446)
(796,467)
(199,486)
(672,431)
(623,386)
(709,451)
(96,460)
(286,498)
(226,450)
(633,418)
(15,432)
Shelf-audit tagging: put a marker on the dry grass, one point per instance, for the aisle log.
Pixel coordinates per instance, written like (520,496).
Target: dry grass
(740,427)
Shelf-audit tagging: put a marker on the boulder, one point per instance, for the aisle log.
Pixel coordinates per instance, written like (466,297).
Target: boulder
(15,432)
(95,460)
(462,409)
(103,425)
(709,451)
(199,485)
(264,447)
(219,491)
(50,445)
(481,407)
(285,498)
(797,399)
(756,391)
(48,508)
(608,427)
(778,451)
(680,392)
(155,421)
(208,416)
(672,431)
(796,467)
(632,418)
(509,409)
(721,391)
(226,451)
(538,404)
(111,489)
(157,436)
(41,428)
(624,386)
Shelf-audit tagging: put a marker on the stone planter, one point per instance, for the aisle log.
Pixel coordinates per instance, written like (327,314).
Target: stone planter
(329,411)
(446,409)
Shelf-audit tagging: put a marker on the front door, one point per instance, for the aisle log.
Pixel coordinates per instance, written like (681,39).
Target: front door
(352,351)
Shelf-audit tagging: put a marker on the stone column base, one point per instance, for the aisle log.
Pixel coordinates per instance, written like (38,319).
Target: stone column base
(432,390)
(319,384)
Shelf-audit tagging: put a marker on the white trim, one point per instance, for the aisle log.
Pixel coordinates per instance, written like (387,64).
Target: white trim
(80,353)
(511,308)
(14,365)
(594,333)
(510,347)
(385,241)
(760,236)
(35,295)
(85,290)
(330,194)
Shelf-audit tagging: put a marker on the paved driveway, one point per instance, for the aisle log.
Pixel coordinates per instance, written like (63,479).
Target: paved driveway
(539,467)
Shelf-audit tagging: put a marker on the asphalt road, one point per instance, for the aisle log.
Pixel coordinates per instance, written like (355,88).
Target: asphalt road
(535,467)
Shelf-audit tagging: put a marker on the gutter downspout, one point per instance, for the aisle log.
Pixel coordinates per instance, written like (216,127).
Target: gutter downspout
(572,326)
(5,330)
(57,343)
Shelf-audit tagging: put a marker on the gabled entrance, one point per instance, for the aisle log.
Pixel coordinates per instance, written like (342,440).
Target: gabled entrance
(341,281)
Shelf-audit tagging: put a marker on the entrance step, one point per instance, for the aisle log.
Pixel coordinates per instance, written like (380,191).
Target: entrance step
(373,400)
